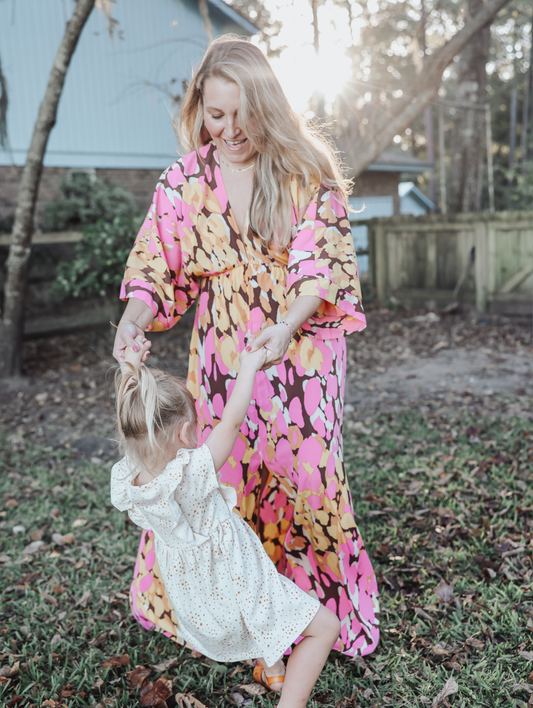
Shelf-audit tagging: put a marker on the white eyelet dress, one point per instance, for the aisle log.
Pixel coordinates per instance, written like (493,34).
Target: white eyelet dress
(230,601)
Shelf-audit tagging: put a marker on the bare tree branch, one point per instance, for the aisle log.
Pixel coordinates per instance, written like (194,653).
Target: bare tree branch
(415,97)
(204,11)
(11,327)
(4,101)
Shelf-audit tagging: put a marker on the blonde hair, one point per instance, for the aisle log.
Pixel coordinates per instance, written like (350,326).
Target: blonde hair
(151,406)
(287,146)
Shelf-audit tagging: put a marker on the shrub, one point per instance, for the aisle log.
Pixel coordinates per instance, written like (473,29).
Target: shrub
(86,199)
(99,260)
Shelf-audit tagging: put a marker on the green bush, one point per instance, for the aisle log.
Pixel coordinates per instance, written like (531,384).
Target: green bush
(99,260)
(86,199)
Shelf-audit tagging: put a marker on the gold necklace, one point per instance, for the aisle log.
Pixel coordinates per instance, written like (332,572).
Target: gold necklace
(237,170)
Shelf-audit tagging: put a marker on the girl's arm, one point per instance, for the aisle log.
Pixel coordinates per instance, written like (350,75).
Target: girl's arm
(223,437)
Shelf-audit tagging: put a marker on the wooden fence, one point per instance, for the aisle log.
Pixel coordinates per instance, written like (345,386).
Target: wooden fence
(421,259)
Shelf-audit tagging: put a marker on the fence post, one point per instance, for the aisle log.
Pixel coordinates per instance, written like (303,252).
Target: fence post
(382,274)
(480,231)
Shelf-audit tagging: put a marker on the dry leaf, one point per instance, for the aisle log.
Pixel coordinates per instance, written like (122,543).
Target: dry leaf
(154,695)
(451,686)
(165,665)
(137,677)
(97,684)
(123,660)
(37,535)
(32,547)
(475,643)
(527,655)
(106,703)
(185,700)
(528,687)
(68,538)
(67,691)
(444,591)
(84,598)
(78,522)
(253,689)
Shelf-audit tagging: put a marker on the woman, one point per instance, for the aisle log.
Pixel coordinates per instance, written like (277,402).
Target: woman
(253,223)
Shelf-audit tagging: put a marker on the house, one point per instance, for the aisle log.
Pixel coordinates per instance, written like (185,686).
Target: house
(378,191)
(119,94)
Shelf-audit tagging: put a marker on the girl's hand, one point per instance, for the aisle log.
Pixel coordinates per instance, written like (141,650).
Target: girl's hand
(139,352)
(276,339)
(126,338)
(257,358)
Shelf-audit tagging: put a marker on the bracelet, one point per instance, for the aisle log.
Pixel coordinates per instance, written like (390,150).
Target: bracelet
(291,328)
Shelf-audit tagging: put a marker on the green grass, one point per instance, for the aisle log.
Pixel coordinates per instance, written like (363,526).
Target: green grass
(436,499)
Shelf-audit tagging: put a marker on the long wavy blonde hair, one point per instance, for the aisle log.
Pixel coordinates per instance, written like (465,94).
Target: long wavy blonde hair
(287,146)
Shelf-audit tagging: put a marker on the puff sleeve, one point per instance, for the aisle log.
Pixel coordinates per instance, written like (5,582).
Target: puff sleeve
(157,267)
(120,497)
(322,263)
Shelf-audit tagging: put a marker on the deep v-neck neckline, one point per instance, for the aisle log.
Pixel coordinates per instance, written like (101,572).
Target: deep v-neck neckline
(243,235)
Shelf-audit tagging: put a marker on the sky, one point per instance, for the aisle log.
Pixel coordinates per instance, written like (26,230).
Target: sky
(297,68)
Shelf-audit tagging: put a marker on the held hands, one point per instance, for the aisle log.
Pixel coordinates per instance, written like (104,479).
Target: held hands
(276,340)
(127,337)
(139,357)
(255,358)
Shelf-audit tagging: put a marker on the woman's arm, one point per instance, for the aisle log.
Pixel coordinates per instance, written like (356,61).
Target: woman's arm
(136,319)
(277,338)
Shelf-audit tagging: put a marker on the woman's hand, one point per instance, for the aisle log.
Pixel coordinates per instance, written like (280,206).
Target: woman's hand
(136,319)
(276,339)
(127,333)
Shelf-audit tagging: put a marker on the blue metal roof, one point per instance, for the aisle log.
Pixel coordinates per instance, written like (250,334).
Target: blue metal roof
(115,109)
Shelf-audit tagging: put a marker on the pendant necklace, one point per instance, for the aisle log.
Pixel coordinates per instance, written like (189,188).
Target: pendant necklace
(245,169)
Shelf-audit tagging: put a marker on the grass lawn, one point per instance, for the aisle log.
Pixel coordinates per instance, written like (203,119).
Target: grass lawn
(445,506)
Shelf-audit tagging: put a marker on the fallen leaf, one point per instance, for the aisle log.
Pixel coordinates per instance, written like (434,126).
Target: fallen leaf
(106,703)
(50,703)
(67,691)
(137,677)
(444,591)
(97,684)
(440,649)
(58,590)
(451,686)
(50,599)
(56,639)
(15,701)
(476,643)
(68,538)
(164,665)
(185,700)
(253,689)
(9,671)
(37,535)
(58,538)
(55,513)
(486,562)
(84,598)
(527,655)
(32,547)
(123,660)
(154,695)
(528,687)
(78,522)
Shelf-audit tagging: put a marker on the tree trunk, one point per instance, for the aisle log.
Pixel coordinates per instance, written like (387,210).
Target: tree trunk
(11,328)
(466,168)
(422,91)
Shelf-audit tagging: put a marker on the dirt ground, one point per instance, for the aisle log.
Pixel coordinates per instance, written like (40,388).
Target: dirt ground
(428,362)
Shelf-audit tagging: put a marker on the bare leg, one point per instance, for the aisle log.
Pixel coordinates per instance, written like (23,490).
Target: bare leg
(308,658)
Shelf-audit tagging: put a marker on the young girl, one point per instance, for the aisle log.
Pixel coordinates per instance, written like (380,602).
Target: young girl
(230,601)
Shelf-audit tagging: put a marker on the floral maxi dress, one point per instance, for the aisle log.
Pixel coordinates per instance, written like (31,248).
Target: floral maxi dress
(287,465)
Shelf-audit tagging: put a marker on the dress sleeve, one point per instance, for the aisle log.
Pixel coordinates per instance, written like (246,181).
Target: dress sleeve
(120,497)
(322,263)
(156,269)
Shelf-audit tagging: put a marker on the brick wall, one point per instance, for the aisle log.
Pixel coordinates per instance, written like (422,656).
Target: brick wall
(140,182)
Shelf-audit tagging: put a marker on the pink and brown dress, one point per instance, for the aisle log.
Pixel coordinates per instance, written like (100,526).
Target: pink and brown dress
(287,465)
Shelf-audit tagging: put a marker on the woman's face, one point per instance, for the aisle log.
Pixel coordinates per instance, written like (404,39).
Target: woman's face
(221,105)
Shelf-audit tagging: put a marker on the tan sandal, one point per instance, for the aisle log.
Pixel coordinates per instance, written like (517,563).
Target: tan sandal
(260,676)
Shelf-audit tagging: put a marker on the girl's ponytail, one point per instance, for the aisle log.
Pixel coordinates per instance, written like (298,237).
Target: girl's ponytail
(151,407)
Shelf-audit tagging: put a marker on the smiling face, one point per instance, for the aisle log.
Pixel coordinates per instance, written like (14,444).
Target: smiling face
(221,105)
